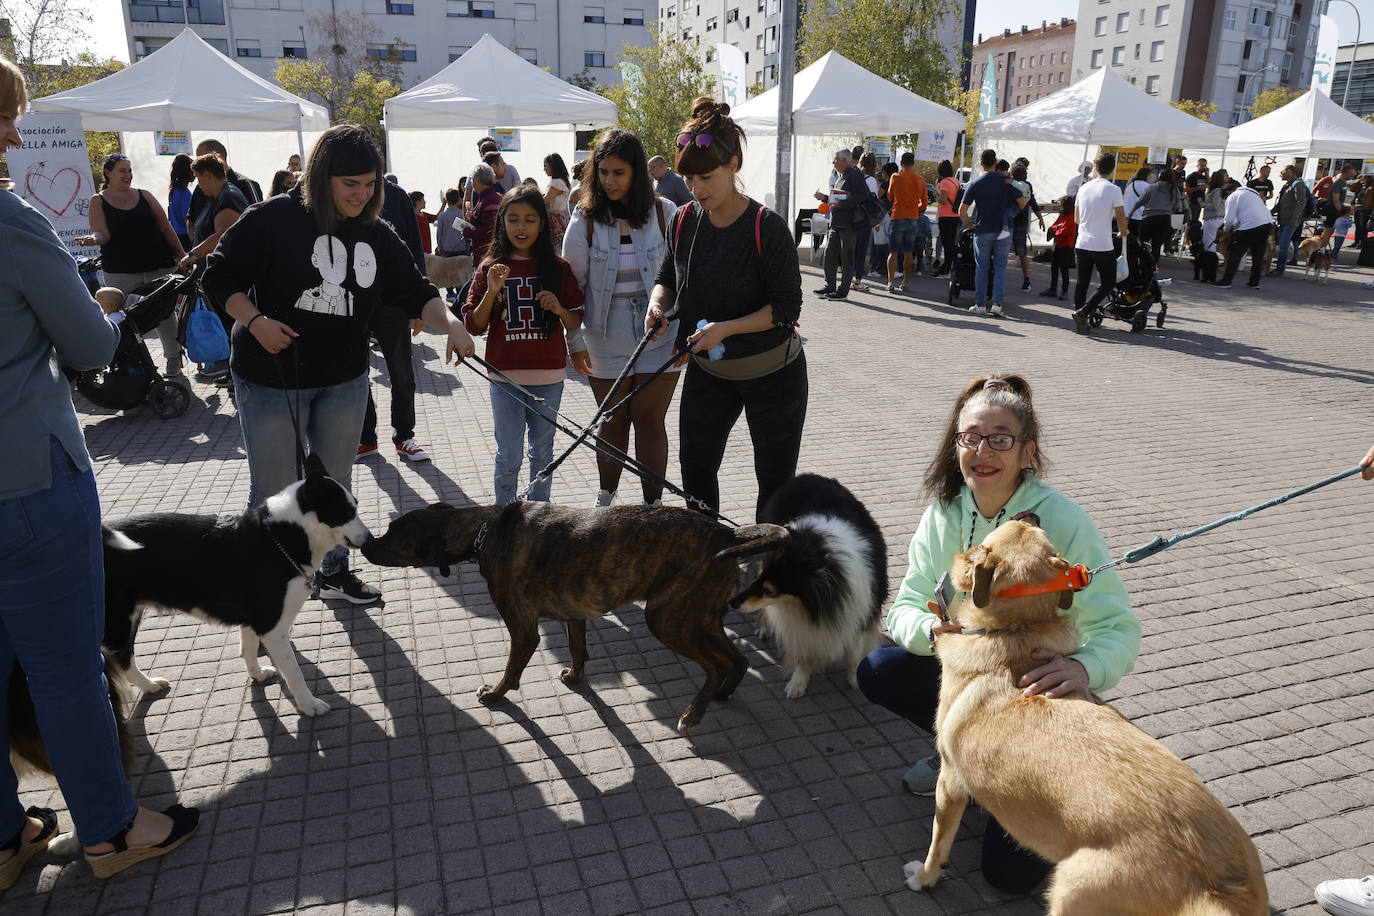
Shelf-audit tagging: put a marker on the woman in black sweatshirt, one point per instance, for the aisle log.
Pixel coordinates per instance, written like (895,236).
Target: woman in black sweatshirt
(731,268)
(319,262)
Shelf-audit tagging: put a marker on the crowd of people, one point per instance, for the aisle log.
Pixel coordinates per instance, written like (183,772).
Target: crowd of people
(635,274)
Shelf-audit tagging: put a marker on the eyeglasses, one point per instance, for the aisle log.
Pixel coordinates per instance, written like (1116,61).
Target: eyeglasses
(998,442)
(700,141)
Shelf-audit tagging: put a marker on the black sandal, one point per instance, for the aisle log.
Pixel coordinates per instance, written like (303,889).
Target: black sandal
(9,872)
(184,823)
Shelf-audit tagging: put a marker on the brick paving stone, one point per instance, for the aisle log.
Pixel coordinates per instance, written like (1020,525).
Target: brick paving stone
(411,796)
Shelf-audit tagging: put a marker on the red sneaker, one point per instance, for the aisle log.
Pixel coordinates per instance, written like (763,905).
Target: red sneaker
(364,450)
(411,452)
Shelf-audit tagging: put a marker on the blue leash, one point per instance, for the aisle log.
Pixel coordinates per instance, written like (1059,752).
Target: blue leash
(1158,544)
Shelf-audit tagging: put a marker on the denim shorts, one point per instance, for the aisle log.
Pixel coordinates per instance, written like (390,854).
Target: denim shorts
(1019,235)
(901,236)
(624,329)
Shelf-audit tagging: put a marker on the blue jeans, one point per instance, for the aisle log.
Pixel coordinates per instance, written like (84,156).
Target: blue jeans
(331,421)
(987,245)
(1286,233)
(52,617)
(513,413)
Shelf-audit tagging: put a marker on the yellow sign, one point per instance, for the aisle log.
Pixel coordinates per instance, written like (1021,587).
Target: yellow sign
(1129,159)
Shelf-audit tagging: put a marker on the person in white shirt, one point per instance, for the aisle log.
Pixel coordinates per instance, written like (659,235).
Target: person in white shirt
(1085,174)
(1140,183)
(1248,220)
(1096,203)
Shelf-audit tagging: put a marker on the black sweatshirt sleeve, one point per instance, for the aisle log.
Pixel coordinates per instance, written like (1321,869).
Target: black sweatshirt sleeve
(406,287)
(781,270)
(232,267)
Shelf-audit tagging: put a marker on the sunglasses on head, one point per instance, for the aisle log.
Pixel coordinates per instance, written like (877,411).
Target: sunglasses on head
(699,140)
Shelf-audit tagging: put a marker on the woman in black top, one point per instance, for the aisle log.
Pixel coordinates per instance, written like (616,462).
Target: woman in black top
(321,262)
(137,242)
(732,265)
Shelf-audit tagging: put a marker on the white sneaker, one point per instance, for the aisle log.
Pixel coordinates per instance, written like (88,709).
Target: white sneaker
(411,451)
(657,502)
(892,287)
(977,310)
(1165,281)
(1347,896)
(603,499)
(995,310)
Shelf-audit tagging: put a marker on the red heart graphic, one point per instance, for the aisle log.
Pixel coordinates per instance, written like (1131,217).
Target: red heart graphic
(69,178)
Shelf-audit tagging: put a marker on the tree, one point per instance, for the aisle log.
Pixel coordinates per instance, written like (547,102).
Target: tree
(340,72)
(1272,99)
(583,79)
(43,33)
(656,101)
(896,39)
(1198,109)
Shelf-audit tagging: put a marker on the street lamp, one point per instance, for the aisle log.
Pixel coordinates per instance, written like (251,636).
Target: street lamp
(1350,68)
(1245,106)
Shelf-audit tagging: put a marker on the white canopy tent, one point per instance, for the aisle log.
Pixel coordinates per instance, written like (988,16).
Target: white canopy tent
(1057,133)
(835,103)
(432,130)
(1310,125)
(188,85)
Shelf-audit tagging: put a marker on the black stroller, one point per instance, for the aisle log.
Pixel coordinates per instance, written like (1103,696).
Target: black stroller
(132,377)
(1131,297)
(961,274)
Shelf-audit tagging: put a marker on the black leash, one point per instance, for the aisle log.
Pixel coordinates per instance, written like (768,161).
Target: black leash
(293,412)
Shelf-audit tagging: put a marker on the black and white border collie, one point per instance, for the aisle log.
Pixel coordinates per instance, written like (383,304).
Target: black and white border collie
(821,593)
(253,572)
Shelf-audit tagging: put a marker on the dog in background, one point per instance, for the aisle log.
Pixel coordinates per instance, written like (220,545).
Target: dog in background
(1317,257)
(821,590)
(448,272)
(253,572)
(28,754)
(1130,827)
(561,563)
(1205,261)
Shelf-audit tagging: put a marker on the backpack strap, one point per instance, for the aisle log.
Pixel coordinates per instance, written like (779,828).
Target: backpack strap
(681,218)
(758,234)
(658,208)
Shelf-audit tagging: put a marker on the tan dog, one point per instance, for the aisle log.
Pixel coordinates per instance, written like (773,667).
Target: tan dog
(1317,257)
(1131,828)
(1223,243)
(448,273)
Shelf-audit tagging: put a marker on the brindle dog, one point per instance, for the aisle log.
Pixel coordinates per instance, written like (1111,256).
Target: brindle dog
(568,564)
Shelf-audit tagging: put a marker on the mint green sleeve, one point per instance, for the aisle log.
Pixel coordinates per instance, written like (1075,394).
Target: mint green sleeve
(909,620)
(1108,630)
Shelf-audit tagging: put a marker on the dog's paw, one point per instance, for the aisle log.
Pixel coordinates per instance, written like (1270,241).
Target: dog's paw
(65,844)
(917,878)
(312,706)
(490,694)
(796,687)
(155,685)
(265,673)
(570,677)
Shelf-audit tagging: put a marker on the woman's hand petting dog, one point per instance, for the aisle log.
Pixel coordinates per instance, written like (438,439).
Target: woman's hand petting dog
(1060,676)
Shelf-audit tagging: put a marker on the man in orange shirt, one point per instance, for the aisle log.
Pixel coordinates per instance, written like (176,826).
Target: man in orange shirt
(907,192)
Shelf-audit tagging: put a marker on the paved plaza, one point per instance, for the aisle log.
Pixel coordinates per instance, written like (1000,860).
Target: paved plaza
(411,796)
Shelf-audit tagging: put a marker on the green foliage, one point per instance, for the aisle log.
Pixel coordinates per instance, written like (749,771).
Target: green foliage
(1203,111)
(896,39)
(583,79)
(357,100)
(365,100)
(1272,99)
(656,106)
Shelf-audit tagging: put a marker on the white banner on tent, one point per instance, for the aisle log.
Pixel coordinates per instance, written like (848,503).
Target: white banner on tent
(935,146)
(1324,63)
(52,171)
(733,89)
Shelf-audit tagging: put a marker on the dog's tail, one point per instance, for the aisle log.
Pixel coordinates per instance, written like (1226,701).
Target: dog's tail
(752,540)
(26,742)
(118,540)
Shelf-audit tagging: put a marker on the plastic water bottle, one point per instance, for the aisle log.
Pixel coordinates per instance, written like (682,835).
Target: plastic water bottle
(718,350)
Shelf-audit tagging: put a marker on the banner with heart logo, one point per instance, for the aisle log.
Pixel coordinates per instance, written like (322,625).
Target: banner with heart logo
(52,172)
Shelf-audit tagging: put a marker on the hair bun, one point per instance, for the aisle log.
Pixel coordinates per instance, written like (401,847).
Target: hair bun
(708,109)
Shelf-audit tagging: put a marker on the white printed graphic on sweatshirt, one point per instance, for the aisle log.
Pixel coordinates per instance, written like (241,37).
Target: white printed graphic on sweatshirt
(330,258)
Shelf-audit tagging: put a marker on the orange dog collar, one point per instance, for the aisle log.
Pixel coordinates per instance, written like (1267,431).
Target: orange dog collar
(1069,580)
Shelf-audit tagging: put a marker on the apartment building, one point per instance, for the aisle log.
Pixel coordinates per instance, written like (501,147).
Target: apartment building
(1361,101)
(566,36)
(753,26)
(1031,63)
(1220,51)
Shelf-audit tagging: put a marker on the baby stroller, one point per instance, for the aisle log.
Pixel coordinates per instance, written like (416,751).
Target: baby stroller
(1130,299)
(961,274)
(132,377)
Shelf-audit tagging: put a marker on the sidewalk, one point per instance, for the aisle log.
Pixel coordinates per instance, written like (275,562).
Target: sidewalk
(411,796)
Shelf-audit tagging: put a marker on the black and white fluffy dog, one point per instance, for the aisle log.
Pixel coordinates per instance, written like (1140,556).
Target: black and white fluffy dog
(821,593)
(252,572)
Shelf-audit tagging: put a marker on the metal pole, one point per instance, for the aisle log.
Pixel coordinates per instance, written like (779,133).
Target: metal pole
(787,65)
(1350,69)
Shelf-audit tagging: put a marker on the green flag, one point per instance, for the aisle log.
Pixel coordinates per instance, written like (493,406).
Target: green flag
(987,98)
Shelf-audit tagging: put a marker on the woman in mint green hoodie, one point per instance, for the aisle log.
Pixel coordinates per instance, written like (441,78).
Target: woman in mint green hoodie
(986,472)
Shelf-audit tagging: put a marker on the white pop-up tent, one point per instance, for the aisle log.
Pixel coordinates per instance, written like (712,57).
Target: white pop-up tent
(1057,133)
(835,103)
(1310,125)
(188,85)
(432,130)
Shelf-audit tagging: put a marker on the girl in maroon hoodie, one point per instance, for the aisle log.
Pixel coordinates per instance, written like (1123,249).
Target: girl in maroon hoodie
(523,297)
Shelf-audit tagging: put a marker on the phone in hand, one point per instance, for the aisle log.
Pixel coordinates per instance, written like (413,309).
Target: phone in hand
(944,593)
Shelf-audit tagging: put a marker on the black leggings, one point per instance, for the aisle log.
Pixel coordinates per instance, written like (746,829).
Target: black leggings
(775,409)
(909,685)
(1155,231)
(1105,262)
(949,240)
(1061,266)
